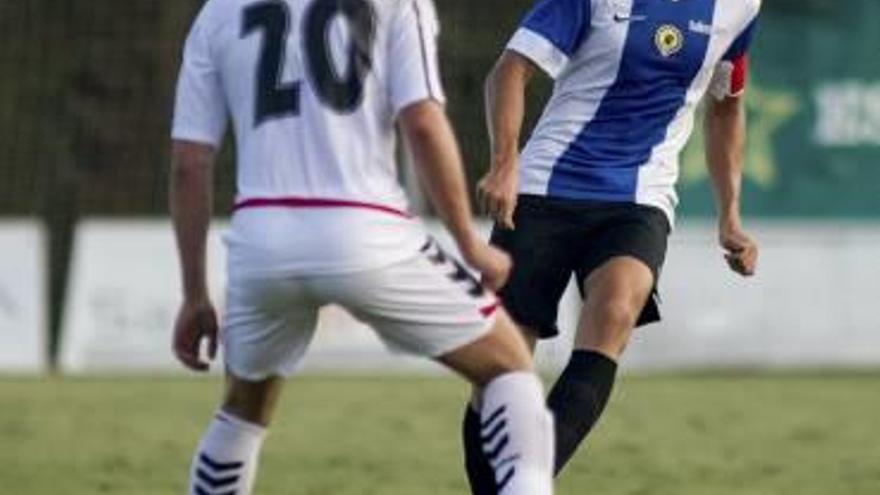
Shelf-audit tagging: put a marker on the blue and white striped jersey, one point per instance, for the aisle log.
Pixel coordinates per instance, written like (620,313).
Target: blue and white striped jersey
(629,75)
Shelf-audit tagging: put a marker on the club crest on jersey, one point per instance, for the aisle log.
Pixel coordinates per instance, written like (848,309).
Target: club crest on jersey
(669,40)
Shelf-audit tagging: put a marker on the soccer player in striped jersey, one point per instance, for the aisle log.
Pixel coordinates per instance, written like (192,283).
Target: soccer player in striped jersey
(592,195)
(315,89)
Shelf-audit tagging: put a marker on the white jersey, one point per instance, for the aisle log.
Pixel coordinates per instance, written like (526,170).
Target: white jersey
(313,88)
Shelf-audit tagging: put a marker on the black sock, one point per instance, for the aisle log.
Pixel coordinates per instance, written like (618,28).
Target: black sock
(480,474)
(578,399)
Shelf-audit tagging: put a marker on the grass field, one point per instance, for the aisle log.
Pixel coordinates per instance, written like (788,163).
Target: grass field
(682,435)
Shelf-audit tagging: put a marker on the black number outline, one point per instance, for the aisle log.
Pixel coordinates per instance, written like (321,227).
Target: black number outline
(342,95)
(274,99)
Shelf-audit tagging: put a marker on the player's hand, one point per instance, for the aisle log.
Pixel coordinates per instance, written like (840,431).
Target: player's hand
(497,193)
(741,249)
(196,321)
(493,263)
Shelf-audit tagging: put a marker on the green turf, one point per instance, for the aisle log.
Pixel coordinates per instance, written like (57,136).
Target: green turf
(681,435)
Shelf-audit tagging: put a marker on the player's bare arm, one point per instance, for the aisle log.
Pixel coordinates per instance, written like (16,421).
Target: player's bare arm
(438,162)
(505,109)
(725,143)
(191,197)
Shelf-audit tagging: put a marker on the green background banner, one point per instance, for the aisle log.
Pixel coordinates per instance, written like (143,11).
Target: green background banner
(814,115)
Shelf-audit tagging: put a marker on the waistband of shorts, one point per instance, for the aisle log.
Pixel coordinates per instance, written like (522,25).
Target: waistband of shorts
(589,204)
(554,204)
(301,202)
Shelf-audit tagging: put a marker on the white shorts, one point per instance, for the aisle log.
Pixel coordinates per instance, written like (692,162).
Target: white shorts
(427,305)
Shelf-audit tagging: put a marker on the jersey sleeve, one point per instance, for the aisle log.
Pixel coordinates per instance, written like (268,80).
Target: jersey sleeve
(414,73)
(552,32)
(200,112)
(729,80)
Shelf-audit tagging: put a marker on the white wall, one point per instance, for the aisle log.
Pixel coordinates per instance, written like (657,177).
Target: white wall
(122,296)
(23,306)
(812,304)
(815,301)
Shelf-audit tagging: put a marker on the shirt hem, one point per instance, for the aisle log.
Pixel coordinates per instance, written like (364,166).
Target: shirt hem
(303,202)
(539,50)
(196,137)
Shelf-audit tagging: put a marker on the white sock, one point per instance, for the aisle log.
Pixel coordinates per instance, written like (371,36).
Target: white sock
(517,434)
(226,460)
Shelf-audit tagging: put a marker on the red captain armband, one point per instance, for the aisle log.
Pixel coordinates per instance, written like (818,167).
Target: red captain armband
(739,75)
(730,78)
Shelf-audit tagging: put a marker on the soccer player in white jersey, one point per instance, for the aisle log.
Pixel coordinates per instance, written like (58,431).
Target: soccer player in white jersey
(315,89)
(592,194)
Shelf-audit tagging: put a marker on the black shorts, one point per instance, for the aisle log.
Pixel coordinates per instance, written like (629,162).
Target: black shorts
(557,238)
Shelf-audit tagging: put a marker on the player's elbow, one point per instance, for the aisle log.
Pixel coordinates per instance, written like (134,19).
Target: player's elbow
(190,159)
(495,78)
(727,108)
(490,84)
(510,69)
(421,122)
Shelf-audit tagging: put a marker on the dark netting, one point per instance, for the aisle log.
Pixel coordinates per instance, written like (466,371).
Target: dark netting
(87,89)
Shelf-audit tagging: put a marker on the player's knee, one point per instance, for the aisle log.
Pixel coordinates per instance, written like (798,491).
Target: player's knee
(606,328)
(253,402)
(501,351)
(515,354)
(503,360)
(615,317)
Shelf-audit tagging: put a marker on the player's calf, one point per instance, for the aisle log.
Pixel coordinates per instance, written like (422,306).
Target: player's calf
(225,462)
(515,429)
(226,459)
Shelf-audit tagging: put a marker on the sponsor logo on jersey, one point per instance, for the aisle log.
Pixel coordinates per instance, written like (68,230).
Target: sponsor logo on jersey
(669,40)
(700,27)
(630,18)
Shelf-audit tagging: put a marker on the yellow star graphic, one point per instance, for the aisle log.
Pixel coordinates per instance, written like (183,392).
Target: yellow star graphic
(768,110)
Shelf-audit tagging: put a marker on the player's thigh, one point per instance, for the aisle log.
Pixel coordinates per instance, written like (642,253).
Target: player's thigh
(428,305)
(624,282)
(268,326)
(624,253)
